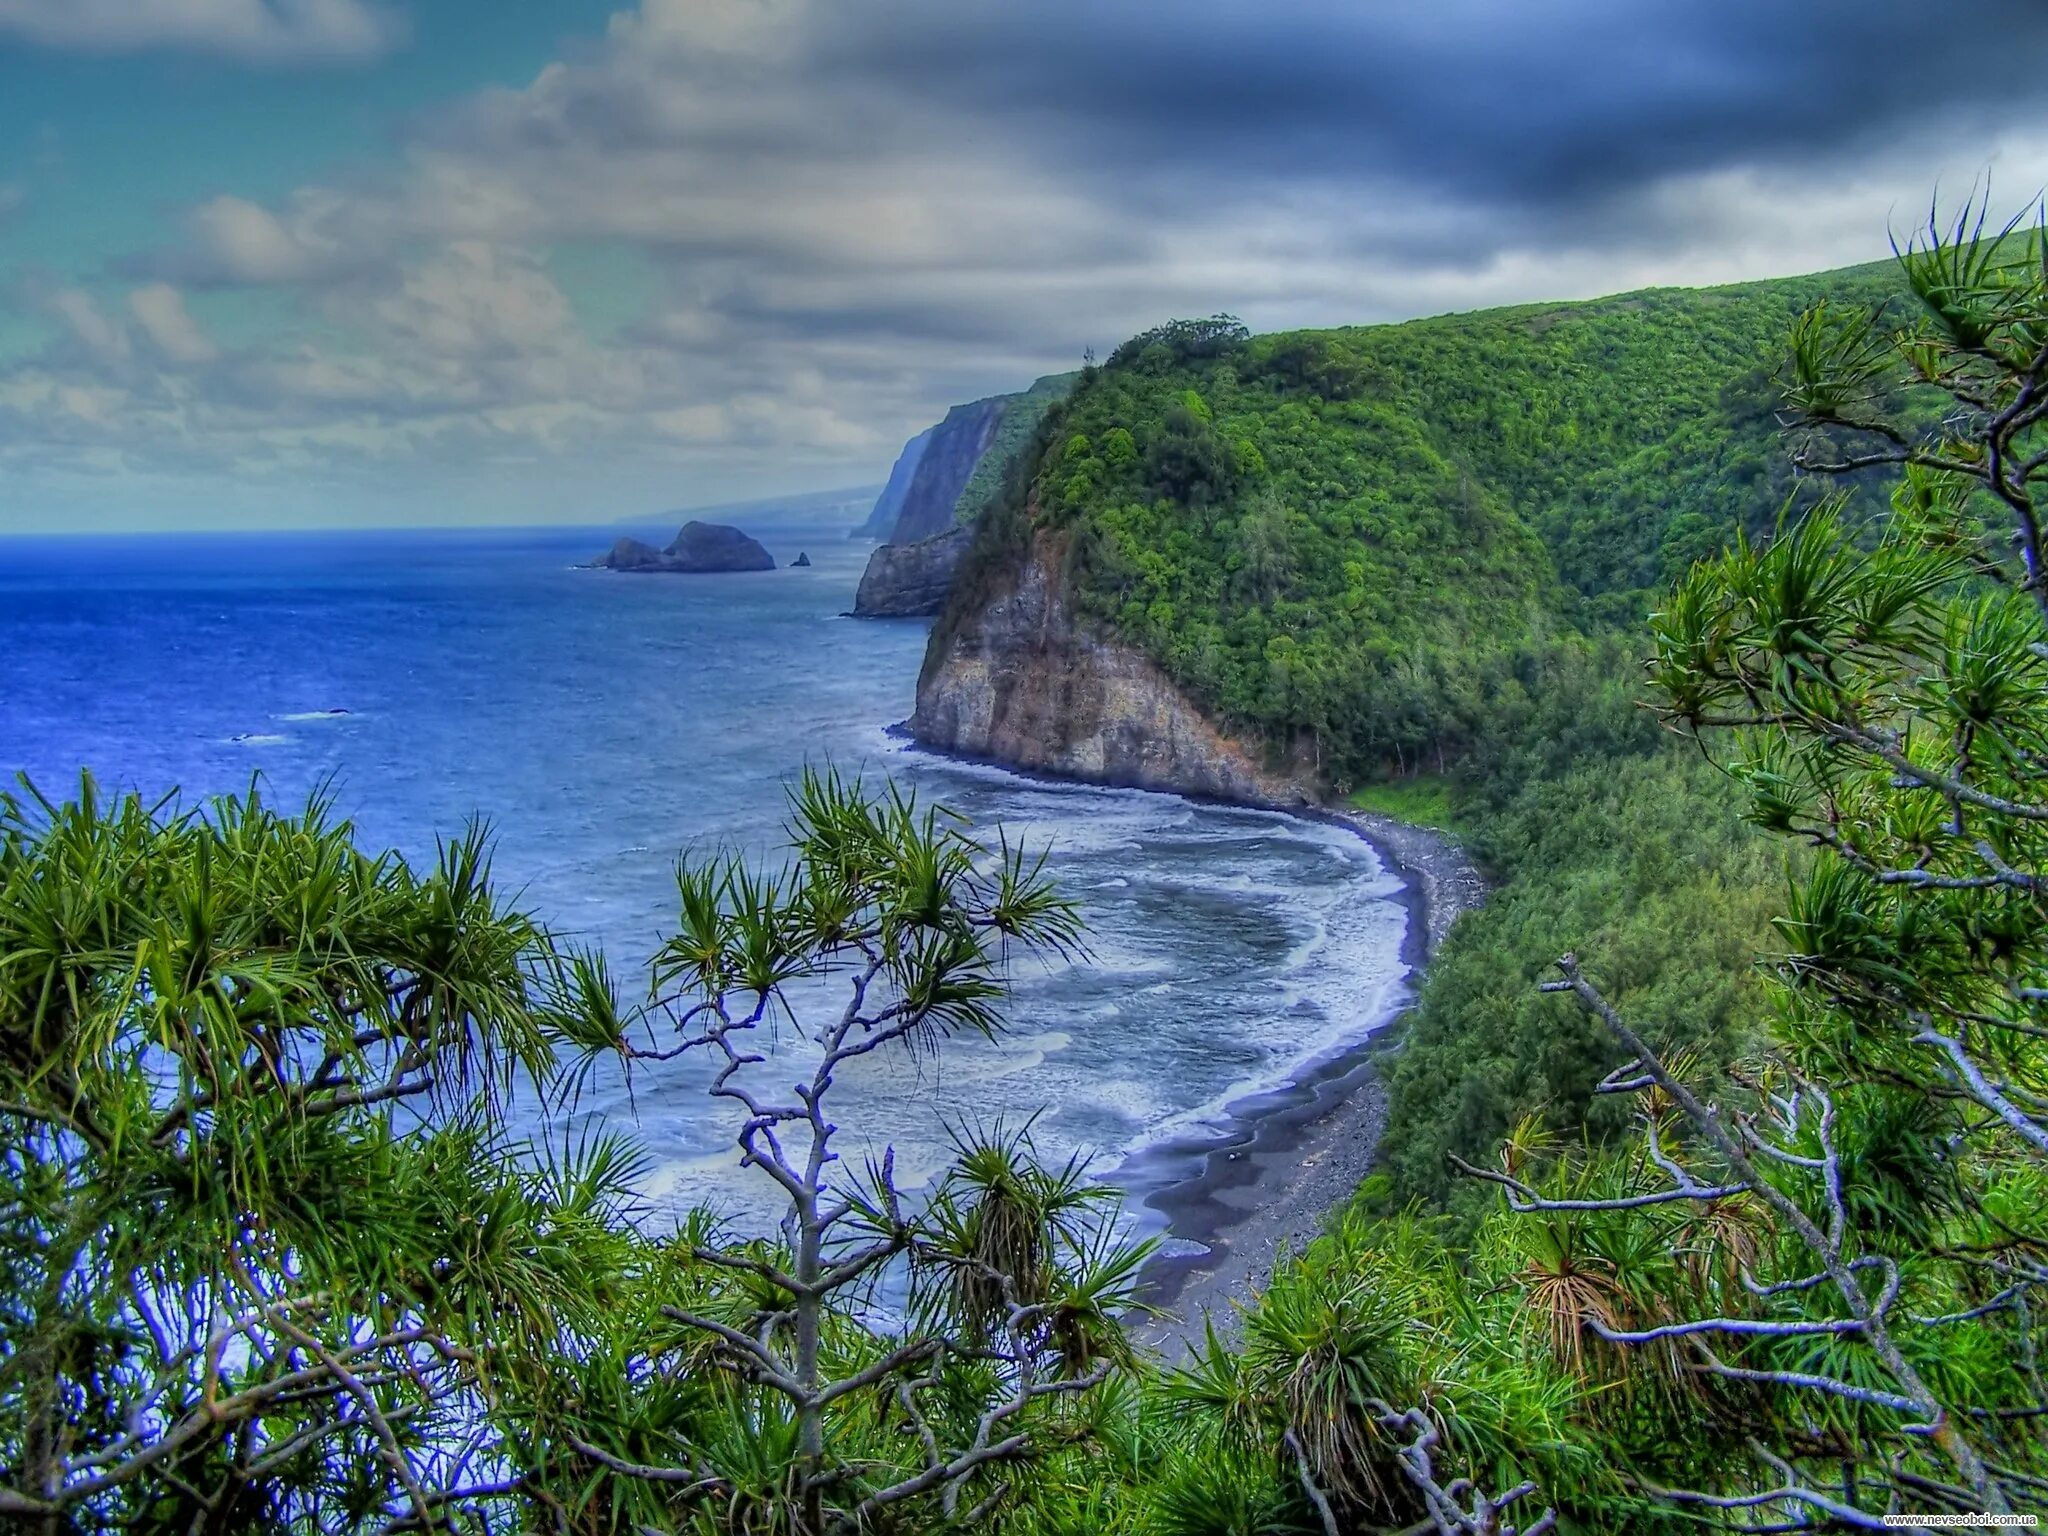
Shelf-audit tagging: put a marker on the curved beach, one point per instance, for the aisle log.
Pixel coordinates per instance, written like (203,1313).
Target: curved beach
(1288,1157)
(1230,1200)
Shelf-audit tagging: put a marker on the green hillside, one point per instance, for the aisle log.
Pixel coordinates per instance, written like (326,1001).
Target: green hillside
(1013,438)
(1340,534)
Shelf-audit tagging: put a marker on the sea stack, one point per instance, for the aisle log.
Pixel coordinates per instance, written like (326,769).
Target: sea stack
(699,548)
(801,559)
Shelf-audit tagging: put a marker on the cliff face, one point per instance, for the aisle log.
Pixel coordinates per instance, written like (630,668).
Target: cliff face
(881,522)
(951,451)
(1019,682)
(910,580)
(944,479)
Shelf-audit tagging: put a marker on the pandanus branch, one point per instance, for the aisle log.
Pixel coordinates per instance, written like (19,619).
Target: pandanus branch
(1459,1507)
(904,913)
(1737,1147)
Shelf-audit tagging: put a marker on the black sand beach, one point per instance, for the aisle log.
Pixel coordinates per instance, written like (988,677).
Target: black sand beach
(1293,1155)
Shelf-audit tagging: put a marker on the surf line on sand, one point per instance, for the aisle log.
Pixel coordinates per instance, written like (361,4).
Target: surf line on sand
(1233,1196)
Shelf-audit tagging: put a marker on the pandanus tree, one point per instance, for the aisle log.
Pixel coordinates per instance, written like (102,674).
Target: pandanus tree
(1369,1391)
(265,1245)
(1865,1204)
(889,1359)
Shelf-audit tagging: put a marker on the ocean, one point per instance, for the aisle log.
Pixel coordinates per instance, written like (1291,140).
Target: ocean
(607,725)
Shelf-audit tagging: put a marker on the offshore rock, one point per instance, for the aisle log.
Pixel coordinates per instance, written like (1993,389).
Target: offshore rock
(801,559)
(698,549)
(632,555)
(910,580)
(1019,681)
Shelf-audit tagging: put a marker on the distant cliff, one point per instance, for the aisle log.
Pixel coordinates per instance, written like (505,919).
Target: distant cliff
(881,522)
(955,447)
(943,480)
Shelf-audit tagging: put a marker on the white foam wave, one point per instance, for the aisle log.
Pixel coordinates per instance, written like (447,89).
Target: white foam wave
(1181,1010)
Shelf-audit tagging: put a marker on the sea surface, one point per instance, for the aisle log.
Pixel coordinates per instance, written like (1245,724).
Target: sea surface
(608,725)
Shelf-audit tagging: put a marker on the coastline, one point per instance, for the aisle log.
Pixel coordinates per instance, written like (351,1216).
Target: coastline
(1232,1200)
(1289,1157)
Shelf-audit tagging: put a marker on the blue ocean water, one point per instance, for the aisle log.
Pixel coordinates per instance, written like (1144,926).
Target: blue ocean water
(605,725)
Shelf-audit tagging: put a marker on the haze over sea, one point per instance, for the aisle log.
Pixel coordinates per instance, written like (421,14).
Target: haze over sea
(606,724)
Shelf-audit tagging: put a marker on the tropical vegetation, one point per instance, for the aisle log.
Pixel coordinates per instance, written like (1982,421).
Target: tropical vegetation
(1666,1235)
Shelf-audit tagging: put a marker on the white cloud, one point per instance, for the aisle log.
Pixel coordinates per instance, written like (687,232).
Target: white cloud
(104,339)
(160,310)
(824,259)
(252,31)
(237,241)
(473,300)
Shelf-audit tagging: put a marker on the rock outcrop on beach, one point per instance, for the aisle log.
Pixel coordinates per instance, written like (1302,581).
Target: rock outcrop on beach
(943,481)
(1018,681)
(700,548)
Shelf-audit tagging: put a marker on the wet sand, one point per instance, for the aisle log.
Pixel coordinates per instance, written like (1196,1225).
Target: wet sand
(1233,1200)
(1289,1157)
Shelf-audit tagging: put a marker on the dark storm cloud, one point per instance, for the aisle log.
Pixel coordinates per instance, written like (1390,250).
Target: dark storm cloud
(835,217)
(1519,102)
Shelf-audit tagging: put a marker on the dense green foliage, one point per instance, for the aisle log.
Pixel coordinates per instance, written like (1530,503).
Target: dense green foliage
(1604,835)
(1014,435)
(264,1239)
(1328,537)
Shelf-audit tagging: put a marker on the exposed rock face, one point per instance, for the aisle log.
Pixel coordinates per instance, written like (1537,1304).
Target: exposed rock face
(1021,683)
(700,547)
(632,555)
(954,448)
(910,580)
(801,559)
(944,479)
(881,522)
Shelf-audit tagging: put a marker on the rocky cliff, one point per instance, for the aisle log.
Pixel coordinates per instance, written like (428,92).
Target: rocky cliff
(944,479)
(954,448)
(910,580)
(1018,681)
(881,521)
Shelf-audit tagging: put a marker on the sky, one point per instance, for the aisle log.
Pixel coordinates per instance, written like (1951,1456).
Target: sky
(371,262)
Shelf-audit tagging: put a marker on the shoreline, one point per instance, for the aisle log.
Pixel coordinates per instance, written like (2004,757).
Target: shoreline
(1289,1157)
(1284,1157)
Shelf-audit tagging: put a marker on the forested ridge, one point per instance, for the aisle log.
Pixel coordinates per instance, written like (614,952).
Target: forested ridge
(1334,540)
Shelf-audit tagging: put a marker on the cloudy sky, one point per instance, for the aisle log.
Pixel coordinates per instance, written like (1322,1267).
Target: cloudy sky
(379,261)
